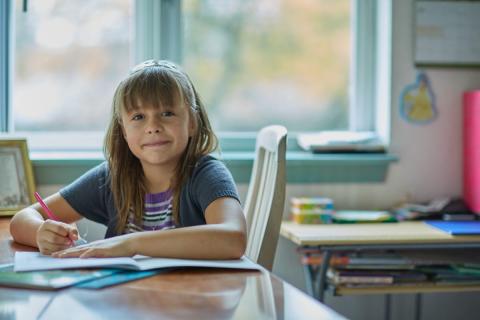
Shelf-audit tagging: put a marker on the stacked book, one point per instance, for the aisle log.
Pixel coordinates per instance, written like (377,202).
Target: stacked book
(377,277)
(400,268)
(374,269)
(362,216)
(311,210)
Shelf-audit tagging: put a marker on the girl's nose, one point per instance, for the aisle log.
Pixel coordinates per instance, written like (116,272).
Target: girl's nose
(151,130)
(154,126)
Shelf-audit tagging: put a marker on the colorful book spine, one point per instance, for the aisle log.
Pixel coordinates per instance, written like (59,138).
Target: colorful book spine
(384,262)
(316,210)
(338,277)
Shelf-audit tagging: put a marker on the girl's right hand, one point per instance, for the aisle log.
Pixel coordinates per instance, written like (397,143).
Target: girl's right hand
(54,236)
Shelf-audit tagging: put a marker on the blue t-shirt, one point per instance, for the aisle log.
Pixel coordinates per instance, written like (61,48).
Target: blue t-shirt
(91,195)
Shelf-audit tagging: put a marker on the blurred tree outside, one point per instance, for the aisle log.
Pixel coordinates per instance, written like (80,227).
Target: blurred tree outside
(270,62)
(254,62)
(69,57)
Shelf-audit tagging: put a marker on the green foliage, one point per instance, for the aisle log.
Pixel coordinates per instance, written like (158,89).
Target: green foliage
(261,62)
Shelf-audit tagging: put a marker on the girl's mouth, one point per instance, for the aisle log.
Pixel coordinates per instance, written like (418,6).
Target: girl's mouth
(155,144)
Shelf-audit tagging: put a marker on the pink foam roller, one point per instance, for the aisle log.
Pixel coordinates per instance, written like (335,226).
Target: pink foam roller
(471,149)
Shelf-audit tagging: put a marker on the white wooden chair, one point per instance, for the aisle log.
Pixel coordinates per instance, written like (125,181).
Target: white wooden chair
(266,195)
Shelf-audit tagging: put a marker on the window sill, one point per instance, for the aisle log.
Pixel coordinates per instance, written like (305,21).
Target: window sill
(306,167)
(302,167)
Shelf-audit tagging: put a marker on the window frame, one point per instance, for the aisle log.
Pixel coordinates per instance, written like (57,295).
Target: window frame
(6,32)
(158,26)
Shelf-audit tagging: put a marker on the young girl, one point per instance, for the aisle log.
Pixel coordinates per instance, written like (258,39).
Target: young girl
(158,179)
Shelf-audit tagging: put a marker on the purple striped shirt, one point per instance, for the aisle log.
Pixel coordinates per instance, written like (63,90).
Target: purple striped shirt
(157,214)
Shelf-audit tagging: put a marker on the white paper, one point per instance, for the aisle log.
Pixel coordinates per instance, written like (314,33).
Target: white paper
(159,263)
(34,261)
(340,140)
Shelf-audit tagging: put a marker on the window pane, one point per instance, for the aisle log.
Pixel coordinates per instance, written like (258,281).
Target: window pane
(270,61)
(69,57)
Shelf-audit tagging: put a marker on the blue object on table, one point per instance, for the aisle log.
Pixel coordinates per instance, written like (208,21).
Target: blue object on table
(457,228)
(50,279)
(118,278)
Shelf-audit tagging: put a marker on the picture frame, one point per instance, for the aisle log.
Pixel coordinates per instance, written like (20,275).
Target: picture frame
(16,176)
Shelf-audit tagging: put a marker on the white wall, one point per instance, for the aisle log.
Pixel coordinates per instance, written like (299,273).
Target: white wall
(429,166)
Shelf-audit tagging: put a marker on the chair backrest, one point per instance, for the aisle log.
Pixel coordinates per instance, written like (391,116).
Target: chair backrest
(266,195)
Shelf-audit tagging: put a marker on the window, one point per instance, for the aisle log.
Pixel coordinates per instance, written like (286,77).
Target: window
(265,62)
(309,64)
(69,57)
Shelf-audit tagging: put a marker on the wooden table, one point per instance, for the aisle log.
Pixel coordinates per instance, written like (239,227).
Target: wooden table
(182,294)
(331,238)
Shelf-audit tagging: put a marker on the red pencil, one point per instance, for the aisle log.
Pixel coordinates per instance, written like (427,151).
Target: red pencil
(44,206)
(49,213)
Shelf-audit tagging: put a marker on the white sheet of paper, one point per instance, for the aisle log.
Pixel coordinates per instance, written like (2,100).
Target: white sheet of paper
(34,261)
(159,263)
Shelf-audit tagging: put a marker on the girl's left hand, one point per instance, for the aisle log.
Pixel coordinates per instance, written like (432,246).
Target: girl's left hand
(111,247)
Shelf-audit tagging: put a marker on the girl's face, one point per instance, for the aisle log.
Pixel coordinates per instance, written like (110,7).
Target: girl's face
(158,136)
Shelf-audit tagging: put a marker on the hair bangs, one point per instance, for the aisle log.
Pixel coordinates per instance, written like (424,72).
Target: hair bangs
(153,88)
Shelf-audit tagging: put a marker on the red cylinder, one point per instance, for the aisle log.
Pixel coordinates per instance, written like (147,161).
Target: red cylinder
(471,149)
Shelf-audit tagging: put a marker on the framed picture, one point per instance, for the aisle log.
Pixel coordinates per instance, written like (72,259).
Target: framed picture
(16,177)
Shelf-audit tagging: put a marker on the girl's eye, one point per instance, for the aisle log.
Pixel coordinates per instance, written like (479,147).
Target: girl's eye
(137,117)
(167,114)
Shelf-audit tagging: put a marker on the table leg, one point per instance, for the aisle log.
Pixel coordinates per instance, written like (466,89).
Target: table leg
(418,306)
(309,274)
(388,305)
(322,275)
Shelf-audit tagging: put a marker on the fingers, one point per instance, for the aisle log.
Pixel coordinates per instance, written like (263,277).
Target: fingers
(73,234)
(56,239)
(94,253)
(48,248)
(69,253)
(54,236)
(62,229)
(72,251)
(57,227)
(90,250)
(80,253)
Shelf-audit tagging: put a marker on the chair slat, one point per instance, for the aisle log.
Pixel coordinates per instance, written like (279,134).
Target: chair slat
(266,195)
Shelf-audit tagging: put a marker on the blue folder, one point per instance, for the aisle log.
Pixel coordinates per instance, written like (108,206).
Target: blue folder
(121,277)
(457,228)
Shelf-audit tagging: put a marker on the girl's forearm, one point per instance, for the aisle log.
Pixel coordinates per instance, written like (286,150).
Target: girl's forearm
(24,226)
(211,241)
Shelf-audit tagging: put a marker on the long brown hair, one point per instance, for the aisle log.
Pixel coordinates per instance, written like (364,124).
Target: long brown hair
(158,83)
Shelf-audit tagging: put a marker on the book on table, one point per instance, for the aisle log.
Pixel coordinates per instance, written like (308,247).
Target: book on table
(456,227)
(50,279)
(34,261)
(33,270)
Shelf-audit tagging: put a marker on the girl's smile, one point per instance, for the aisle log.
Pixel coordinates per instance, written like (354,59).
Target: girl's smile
(156,144)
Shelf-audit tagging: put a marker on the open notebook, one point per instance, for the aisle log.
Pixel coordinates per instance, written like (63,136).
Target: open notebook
(34,261)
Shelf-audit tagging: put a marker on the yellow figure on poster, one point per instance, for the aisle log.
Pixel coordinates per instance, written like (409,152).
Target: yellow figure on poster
(417,101)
